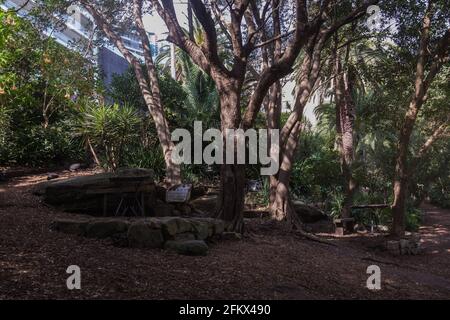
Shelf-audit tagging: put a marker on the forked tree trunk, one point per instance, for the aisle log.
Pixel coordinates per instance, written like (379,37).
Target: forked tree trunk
(281,207)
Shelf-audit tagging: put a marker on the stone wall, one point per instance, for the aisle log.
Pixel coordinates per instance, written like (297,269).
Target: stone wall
(183,235)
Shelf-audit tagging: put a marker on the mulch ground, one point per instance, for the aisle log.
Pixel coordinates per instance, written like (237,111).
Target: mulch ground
(267,264)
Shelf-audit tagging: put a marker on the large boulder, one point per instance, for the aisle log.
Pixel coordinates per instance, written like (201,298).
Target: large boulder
(84,194)
(172,226)
(215,226)
(187,247)
(308,214)
(142,234)
(201,229)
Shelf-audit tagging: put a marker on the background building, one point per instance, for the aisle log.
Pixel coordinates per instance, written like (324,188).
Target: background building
(78,28)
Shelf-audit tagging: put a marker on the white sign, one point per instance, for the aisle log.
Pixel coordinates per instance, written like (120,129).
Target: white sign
(180,193)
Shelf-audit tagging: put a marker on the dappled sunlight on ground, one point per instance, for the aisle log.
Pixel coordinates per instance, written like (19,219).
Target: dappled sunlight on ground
(267,264)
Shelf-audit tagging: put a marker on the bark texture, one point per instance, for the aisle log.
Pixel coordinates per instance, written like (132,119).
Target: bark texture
(345,120)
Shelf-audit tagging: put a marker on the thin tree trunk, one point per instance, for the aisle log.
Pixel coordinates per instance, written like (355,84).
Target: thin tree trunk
(190,21)
(173,171)
(94,154)
(273,122)
(275,103)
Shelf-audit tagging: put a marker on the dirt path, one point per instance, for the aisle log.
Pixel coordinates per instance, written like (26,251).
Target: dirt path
(268,265)
(436,230)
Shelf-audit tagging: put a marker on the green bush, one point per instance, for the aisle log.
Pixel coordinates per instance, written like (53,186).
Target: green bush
(138,156)
(413,219)
(38,146)
(440,196)
(316,171)
(110,129)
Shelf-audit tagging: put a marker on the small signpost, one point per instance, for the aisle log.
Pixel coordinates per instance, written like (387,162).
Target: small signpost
(179,194)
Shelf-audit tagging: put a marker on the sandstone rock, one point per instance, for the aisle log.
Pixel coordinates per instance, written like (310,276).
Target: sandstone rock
(169,226)
(189,247)
(308,214)
(81,194)
(201,229)
(71,226)
(142,235)
(103,228)
(172,226)
(184,225)
(215,226)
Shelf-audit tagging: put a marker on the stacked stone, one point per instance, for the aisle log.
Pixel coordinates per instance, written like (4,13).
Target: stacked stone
(183,235)
(405,246)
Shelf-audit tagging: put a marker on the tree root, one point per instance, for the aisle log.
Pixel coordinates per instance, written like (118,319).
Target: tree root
(312,237)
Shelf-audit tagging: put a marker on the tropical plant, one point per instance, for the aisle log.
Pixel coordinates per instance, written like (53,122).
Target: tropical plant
(107,129)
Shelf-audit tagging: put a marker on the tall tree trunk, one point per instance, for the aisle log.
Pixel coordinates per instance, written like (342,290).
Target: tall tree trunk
(190,21)
(281,207)
(154,103)
(232,176)
(421,86)
(275,94)
(273,122)
(401,171)
(345,119)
